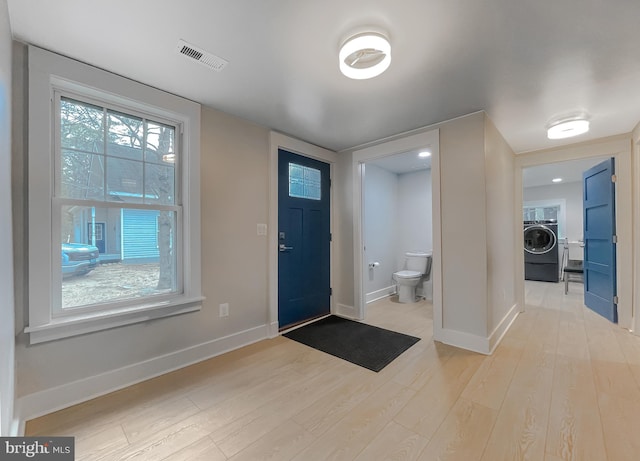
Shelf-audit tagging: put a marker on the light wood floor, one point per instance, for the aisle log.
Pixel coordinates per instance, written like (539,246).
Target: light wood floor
(562,385)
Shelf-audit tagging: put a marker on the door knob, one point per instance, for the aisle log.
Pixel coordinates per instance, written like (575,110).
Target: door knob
(282,247)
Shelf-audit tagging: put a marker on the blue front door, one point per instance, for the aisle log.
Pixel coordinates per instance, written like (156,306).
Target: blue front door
(599,241)
(303,239)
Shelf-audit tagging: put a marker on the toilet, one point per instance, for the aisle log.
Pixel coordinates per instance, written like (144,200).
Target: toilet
(418,266)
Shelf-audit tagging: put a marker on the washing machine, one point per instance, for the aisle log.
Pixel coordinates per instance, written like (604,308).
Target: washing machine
(541,251)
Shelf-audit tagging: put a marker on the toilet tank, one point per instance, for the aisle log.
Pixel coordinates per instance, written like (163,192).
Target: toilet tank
(419,262)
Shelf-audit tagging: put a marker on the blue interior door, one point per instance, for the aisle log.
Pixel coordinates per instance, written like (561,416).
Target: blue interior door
(303,239)
(599,241)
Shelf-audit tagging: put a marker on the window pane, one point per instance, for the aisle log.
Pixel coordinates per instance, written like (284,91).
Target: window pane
(124,180)
(159,183)
(82,176)
(160,143)
(312,183)
(304,182)
(125,136)
(116,254)
(81,126)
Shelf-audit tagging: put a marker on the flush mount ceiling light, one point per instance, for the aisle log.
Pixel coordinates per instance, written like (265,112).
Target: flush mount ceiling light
(568,127)
(424,154)
(556,180)
(365,55)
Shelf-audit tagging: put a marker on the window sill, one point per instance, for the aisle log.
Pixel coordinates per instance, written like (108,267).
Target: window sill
(65,327)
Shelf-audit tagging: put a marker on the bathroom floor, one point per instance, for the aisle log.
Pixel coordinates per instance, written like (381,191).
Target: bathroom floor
(415,319)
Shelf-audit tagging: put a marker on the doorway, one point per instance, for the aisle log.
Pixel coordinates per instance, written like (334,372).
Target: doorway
(539,198)
(374,155)
(279,142)
(304,238)
(397,219)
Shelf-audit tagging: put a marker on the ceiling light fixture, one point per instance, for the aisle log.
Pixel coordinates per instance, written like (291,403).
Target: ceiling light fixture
(568,127)
(424,154)
(556,180)
(365,55)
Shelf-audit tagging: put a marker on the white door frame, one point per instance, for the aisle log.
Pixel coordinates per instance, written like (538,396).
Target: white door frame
(636,230)
(281,141)
(430,139)
(618,147)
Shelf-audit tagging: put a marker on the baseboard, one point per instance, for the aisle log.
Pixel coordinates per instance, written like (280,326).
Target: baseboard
(56,398)
(274,330)
(463,340)
(379,294)
(498,333)
(346,311)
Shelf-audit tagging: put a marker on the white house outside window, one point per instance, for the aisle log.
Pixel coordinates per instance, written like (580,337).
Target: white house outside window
(118,212)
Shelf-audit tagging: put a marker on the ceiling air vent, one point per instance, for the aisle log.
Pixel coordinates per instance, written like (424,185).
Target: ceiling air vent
(210,60)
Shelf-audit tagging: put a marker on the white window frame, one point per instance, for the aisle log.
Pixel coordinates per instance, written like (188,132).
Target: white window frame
(562,213)
(50,73)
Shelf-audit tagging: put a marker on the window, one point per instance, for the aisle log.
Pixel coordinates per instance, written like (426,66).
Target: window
(114,225)
(110,160)
(541,212)
(538,210)
(304,182)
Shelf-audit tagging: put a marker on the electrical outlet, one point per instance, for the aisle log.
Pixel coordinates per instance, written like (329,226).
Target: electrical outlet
(224,310)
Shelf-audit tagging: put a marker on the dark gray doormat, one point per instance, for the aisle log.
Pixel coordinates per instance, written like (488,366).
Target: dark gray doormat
(365,345)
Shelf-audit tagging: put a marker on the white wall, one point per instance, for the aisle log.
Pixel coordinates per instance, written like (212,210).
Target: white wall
(234,179)
(381,226)
(464,232)
(501,296)
(7,365)
(397,218)
(415,230)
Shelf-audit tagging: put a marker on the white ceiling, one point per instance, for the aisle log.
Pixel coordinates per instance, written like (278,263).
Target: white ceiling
(524,62)
(407,162)
(570,171)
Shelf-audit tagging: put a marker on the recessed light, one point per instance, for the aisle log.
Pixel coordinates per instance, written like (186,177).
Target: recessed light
(556,180)
(424,154)
(365,55)
(568,127)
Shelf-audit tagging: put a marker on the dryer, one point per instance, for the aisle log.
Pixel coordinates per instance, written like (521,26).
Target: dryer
(541,250)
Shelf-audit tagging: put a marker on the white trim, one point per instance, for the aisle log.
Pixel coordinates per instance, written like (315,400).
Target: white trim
(464,340)
(618,147)
(636,230)
(346,311)
(379,294)
(63,396)
(383,149)
(16,429)
(64,327)
(281,141)
(498,333)
(273,330)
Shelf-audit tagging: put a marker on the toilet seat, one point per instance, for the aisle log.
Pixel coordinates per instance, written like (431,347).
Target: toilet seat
(408,274)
